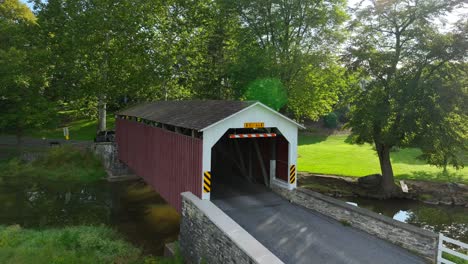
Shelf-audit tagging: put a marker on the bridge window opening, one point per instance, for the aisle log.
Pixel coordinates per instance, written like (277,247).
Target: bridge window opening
(243,158)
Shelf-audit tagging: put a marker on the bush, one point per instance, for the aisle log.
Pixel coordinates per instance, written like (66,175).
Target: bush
(331,120)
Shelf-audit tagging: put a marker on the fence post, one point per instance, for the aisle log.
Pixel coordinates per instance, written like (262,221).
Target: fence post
(439,248)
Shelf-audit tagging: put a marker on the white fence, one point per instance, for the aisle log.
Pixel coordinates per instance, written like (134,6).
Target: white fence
(443,248)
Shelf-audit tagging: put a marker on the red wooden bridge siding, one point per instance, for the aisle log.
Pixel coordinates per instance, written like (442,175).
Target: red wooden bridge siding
(171,163)
(282,169)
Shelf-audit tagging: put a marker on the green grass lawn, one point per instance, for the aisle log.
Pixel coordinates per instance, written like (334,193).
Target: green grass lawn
(82,129)
(334,155)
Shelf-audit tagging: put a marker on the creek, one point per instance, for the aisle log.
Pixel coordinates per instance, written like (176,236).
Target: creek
(132,208)
(451,221)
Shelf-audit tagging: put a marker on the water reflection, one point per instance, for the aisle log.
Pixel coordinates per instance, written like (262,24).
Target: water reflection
(449,220)
(402,216)
(140,214)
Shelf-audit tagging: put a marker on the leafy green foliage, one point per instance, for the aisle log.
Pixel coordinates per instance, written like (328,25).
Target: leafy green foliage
(398,49)
(296,40)
(444,139)
(60,164)
(24,100)
(178,49)
(319,90)
(269,91)
(331,120)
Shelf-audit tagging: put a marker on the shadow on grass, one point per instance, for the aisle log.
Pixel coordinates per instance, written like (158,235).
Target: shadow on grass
(309,139)
(350,139)
(407,156)
(435,176)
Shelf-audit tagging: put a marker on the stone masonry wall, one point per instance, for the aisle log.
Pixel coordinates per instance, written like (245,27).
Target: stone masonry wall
(207,235)
(415,239)
(108,153)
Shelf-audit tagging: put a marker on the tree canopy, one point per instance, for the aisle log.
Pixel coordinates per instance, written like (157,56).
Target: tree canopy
(23,83)
(399,49)
(402,79)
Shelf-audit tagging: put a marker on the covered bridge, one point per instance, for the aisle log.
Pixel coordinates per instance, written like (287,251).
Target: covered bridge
(196,146)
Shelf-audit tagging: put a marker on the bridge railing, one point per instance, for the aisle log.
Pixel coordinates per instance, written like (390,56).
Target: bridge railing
(444,249)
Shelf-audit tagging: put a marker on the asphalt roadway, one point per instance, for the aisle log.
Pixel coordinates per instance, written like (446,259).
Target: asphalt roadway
(298,235)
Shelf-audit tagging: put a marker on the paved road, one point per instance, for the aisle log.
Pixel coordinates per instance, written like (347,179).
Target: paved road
(298,235)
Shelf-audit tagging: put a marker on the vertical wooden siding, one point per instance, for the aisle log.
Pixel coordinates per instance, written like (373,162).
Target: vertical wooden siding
(282,170)
(171,163)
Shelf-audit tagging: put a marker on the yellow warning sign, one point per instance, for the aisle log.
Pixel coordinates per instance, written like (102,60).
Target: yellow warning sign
(254,125)
(207,182)
(292,174)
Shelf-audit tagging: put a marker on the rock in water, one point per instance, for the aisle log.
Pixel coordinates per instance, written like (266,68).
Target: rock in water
(370,181)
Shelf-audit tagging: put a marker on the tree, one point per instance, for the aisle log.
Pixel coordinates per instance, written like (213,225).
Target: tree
(269,91)
(444,137)
(98,49)
(298,39)
(319,89)
(24,98)
(398,48)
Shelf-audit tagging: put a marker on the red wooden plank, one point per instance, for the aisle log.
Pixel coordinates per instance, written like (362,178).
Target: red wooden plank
(171,163)
(282,169)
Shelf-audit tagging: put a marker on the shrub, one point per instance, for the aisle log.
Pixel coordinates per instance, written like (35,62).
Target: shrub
(331,120)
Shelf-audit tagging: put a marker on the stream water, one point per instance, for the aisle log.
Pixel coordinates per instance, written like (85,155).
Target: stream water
(452,221)
(147,221)
(132,208)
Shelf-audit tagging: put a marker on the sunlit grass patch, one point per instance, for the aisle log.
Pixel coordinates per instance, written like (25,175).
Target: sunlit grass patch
(337,156)
(83,129)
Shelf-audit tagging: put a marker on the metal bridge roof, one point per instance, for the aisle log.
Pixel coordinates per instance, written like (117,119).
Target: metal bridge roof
(193,114)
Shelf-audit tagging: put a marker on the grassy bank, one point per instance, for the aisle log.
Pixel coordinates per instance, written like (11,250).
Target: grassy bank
(335,155)
(80,244)
(64,163)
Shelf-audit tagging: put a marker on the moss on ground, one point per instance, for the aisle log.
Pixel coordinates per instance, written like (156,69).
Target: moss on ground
(425,197)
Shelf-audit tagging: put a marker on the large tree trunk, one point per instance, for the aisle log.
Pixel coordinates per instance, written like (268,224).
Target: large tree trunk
(102,112)
(388,185)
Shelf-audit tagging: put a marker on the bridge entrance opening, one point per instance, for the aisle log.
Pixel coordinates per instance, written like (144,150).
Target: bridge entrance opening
(243,158)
